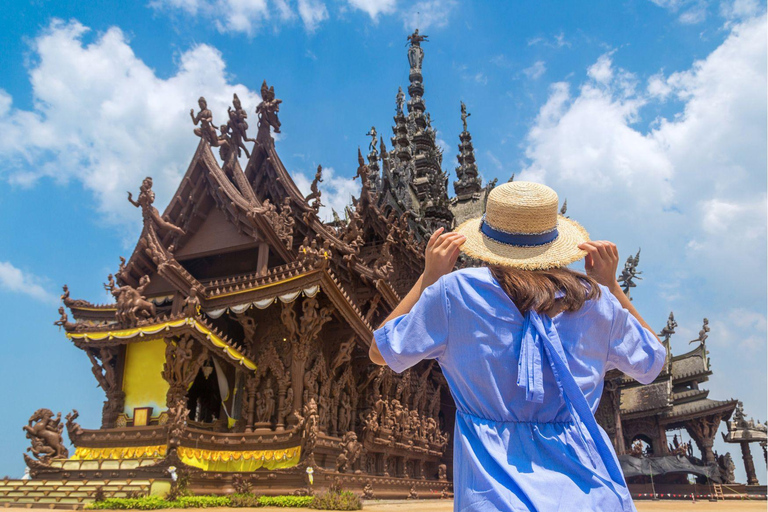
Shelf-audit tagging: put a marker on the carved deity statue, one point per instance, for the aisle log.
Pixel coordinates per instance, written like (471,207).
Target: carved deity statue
(152,219)
(267,111)
(464,115)
(703,333)
(132,305)
(373,135)
(191,306)
(44,432)
(415,53)
(399,100)
(63,321)
(204,118)
(350,452)
(668,329)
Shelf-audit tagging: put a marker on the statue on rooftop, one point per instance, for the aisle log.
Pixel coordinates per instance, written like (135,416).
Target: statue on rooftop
(373,135)
(63,321)
(563,210)
(267,111)
(235,133)
(204,118)
(315,189)
(415,53)
(630,272)
(703,333)
(399,100)
(668,329)
(152,219)
(464,115)
(44,431)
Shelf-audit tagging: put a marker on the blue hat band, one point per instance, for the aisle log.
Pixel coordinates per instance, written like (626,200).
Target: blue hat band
(518,239)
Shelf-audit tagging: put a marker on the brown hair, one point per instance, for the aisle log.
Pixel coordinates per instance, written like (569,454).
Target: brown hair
(536,289)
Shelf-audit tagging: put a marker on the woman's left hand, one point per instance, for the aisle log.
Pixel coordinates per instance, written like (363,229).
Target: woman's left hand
(441,255)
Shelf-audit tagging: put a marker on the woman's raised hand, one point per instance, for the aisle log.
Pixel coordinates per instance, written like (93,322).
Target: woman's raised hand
(601,262)
(441,255)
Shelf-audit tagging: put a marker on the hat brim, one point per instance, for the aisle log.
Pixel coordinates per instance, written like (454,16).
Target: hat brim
(561,252)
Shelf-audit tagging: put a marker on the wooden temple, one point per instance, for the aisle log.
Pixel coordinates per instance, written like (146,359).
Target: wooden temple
(237,343)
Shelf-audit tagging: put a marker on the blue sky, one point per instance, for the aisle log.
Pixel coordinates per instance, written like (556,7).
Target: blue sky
(648,116)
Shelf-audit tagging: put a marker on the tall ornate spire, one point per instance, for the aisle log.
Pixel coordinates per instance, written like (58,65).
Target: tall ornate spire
(468,183)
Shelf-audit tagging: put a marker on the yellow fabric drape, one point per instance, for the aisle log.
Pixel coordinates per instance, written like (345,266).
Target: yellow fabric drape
(229,461)
(131,452)
(230,352)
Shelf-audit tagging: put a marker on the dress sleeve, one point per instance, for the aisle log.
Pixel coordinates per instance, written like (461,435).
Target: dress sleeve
(420,334)
(633,349)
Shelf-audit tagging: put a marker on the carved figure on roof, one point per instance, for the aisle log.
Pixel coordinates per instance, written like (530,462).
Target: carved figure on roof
(110,284)
(286,224)
(132,305)
(152,220)
(563,210)
(629,273)
(315,189)
(73,429)
(204,118)
(703,333)
(668,329)
(121,268)
(191,306)
(44,431)
(372,134)
(464,115)
(415,53)
(64,322)
(399,100)
(267,111)
(73,303)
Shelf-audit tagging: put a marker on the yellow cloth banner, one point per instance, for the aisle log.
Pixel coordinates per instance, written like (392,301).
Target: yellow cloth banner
(240,461)
(131,452)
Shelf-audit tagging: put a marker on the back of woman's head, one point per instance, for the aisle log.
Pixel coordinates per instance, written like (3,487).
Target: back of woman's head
(538,289)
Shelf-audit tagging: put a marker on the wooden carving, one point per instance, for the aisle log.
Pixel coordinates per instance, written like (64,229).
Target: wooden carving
(44,431)
(104,368)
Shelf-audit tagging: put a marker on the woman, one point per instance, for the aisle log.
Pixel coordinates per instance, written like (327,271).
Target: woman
(524,345)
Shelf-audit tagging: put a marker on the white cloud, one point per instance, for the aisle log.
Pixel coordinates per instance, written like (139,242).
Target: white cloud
(556,41)
(15,280)
(246,16)
(481,78)
(536,70)
(101,116)
(740,9)
(428,14)
(374,7)
(312,12)
(691,11)
(690,187)
(337,191)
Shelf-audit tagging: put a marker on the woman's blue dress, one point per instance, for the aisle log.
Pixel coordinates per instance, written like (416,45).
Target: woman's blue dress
(526,388)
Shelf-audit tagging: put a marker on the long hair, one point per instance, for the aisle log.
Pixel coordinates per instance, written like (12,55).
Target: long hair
(537,289)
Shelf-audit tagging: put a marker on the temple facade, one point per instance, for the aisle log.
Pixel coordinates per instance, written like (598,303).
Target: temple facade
(236,347)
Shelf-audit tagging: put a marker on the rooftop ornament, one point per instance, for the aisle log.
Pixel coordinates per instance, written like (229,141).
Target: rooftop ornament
(630,272)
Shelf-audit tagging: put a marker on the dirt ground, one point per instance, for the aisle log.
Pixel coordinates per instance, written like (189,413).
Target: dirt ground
(642,506)
(447,506)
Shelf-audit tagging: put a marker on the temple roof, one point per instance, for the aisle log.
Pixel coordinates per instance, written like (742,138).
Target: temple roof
(645,398)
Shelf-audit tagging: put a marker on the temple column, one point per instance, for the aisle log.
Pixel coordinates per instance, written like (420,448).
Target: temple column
(250,404)
(749,464)
(703,431)
(180,369)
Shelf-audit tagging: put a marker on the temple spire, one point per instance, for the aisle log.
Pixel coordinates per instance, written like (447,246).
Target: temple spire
(468,183)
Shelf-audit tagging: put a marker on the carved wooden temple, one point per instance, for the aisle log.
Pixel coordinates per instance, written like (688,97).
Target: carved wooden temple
(237,344)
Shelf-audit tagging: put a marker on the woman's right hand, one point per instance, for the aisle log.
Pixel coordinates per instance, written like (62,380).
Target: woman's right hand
(441,255)
(601,262)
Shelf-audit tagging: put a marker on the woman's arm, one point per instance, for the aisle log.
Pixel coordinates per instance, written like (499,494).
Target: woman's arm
(439,259)
(601,264)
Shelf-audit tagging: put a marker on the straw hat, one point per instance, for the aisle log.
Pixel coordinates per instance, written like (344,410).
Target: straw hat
(522,229)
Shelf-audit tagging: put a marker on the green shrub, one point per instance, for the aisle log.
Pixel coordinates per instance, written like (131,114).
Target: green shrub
(285,501)
(245,499)
(202,501)
(145,503)
(337,500)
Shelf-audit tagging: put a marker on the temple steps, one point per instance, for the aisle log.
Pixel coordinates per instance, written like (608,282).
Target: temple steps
(70,494)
